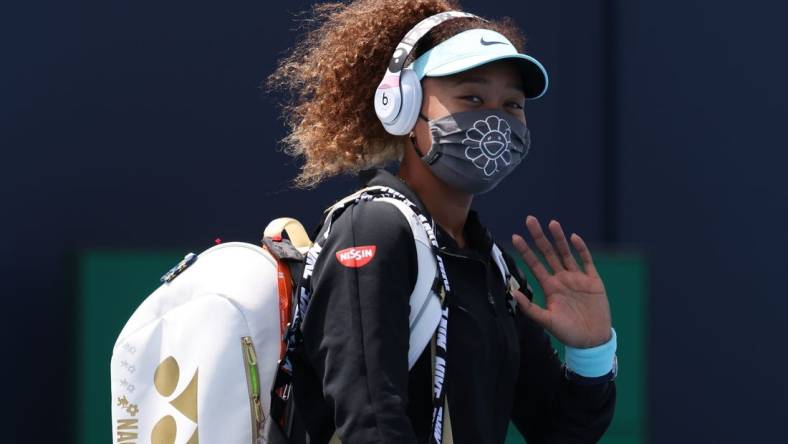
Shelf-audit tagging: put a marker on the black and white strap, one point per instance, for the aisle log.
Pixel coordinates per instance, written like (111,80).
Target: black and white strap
(293,336)
(441,341)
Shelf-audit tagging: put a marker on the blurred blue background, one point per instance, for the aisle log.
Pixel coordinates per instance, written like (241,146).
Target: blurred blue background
(140,126)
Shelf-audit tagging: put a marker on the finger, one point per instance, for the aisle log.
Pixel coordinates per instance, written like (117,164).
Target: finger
(563,246)
(539,271)
(533,311)
(543,243)
(585,254)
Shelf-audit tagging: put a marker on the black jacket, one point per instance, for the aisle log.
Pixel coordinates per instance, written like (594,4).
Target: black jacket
(352,369)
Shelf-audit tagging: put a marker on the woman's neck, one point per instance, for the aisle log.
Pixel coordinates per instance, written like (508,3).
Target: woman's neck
(447,206)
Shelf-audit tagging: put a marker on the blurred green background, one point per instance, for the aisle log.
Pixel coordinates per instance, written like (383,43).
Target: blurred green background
(111,284)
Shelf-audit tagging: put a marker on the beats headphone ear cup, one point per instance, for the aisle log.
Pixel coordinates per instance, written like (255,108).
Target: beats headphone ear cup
(411,104)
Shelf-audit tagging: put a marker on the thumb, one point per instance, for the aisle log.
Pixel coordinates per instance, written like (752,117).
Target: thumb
(533,311)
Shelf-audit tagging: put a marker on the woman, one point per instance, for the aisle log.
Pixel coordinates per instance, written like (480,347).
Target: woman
(351,376)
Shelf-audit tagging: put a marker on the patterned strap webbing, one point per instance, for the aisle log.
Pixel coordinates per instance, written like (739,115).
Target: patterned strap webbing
(293,337)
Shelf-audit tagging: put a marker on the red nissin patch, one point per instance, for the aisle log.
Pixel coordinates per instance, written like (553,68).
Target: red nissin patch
(355,257)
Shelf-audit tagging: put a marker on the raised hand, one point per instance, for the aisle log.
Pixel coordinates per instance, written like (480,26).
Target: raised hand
(577,311)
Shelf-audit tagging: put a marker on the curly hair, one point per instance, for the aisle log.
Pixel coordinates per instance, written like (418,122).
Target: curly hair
(331,75)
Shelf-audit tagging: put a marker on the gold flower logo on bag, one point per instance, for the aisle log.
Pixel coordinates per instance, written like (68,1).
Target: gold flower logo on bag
(488,143)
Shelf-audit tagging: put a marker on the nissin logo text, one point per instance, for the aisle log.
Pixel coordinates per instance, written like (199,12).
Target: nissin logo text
(355,257)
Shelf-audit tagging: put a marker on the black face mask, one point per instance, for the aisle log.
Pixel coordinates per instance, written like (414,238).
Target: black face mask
(474,150)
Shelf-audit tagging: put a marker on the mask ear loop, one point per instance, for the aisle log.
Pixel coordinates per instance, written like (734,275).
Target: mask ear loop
(412,136)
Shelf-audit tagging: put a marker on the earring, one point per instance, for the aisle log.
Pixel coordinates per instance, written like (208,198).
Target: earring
(412,136)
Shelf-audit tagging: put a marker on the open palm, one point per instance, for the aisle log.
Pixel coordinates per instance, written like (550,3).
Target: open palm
(576,310)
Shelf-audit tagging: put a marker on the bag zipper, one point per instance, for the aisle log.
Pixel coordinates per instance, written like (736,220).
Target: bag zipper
(252,385)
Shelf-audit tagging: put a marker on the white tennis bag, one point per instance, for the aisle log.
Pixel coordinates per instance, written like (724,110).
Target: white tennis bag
(197,359)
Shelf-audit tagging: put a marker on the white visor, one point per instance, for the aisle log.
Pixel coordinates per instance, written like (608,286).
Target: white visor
(475,47)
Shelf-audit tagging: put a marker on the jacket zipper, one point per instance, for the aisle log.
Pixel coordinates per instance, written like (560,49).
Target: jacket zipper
(252,385)
(486,265)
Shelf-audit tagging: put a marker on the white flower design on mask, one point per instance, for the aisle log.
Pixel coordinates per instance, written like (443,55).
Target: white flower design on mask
(487,144)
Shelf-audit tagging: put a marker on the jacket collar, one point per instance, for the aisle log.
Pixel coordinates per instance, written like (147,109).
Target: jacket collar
(478,237)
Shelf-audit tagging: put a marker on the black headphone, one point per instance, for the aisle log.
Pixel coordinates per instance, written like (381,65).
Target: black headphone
(398,97)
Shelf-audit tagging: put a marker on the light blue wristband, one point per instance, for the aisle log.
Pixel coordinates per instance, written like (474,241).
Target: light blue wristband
(592,362)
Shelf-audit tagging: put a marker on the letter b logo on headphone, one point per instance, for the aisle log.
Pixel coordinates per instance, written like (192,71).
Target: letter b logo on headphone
(387,103)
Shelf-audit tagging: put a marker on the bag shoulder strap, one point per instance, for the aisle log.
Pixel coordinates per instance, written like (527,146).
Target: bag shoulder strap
(509,280)
(417,228)
(430,313)
(447,432)
(425,304)
(294,230)
(350,197)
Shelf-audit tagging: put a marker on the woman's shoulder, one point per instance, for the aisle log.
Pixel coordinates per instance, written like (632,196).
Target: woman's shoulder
(373,218)
(372,237)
